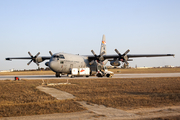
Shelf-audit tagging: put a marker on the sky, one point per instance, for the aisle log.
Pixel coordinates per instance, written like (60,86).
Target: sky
(77,27)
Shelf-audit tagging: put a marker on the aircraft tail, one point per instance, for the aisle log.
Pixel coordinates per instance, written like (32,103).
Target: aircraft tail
(103,45)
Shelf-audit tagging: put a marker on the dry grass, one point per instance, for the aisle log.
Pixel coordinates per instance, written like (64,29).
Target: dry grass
(19,98)
(127,93)
(37,108)
(166,118)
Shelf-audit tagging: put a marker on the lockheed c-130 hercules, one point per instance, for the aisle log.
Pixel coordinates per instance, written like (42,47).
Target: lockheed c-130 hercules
(64,63)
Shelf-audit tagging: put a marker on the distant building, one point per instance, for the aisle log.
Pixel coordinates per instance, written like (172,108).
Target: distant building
(168,66)
(7,70)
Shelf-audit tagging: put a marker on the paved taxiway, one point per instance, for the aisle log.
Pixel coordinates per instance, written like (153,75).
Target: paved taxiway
(11,77)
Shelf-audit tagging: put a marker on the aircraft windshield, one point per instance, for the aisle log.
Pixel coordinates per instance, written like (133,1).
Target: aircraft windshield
(59,56)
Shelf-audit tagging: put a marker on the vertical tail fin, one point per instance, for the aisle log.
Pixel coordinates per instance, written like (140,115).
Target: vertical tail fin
(103,45)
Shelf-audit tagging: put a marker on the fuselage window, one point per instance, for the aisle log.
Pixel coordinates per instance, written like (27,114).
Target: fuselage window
(61,57)
(61,62)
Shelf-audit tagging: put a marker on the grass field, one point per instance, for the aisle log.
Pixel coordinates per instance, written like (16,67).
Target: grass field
(119,71)
(127,93)
(18,98)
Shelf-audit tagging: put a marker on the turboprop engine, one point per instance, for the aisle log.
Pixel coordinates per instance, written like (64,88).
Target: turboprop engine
(115,63)
(35,59)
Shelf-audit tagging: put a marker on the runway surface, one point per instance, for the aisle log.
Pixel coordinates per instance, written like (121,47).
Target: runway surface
(146,75)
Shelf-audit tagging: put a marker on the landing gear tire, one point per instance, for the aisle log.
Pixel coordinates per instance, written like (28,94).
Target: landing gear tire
(58,75)
(99,75)
(108,75)
(71,76)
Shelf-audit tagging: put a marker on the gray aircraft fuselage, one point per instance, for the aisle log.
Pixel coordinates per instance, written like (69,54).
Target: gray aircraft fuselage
(63,62)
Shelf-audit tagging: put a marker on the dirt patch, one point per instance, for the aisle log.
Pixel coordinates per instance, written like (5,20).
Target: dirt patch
(107,112)
(60,95)
(160,113)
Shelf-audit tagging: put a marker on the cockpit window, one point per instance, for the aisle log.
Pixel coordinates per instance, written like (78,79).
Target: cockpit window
(55,56)
(59,56)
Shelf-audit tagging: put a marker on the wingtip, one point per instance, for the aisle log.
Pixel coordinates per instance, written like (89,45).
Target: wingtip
(171,55)
(7,59)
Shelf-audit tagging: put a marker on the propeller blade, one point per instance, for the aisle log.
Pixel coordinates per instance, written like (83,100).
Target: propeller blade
(30,54)
(37,54)
(37,64)
(93,53)
(29,62)
(126,52)
(96,62)
(91,62)
(50,53)
(101,58)
(126,62)
(118,52)
(102,53)
(126,59)
(105,62)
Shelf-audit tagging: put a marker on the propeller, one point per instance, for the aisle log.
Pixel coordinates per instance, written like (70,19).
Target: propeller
(123,57)
(33,58)
(97,58)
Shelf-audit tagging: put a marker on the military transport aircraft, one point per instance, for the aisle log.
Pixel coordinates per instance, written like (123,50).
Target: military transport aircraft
(65,63)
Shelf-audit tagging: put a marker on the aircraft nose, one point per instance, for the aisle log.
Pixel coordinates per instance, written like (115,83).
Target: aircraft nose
(52,66)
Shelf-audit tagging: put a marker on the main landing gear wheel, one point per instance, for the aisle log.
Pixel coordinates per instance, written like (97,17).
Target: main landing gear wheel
(108,75)
(99,75)
(58,75)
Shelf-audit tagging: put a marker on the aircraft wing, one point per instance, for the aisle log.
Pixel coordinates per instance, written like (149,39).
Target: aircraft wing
(138,55)
(26,58)
(110,57)
(35,59)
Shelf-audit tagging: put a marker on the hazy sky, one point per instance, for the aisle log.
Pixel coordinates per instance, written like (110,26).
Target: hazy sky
(77,26)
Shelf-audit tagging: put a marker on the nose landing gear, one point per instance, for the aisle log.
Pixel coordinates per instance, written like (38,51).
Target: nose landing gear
(58,74)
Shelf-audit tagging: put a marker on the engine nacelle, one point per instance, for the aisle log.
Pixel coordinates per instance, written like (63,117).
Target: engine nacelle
(115,63)
(39,59)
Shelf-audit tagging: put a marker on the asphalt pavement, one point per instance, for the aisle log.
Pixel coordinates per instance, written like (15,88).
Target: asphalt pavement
(143,75)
